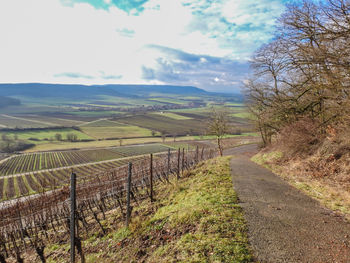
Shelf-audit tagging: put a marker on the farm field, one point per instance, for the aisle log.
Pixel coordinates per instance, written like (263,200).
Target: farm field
(49,160)
(101,123)
(201,110)
(172,115)
(168,100)
(42,136)
(54,121)
(95,114)
(108,129)
(99,144)
(243,115)
(7,121)
(112,143)
(165,124)
(234,104)
(127,102)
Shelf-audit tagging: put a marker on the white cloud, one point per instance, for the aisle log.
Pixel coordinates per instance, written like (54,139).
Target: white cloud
(46,41)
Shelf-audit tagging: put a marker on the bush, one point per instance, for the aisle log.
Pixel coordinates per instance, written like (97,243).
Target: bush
(71,137)
(33,139)
(299,138)
(15,146)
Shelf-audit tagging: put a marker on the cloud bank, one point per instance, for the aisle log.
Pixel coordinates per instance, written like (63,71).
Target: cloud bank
(199,42)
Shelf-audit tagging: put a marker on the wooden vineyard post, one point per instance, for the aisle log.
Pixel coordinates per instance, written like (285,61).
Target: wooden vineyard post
(128,190)
(202,154)
(72,216)
(183,160)
(178,164)
(197,154)
(168,161)
(151,177)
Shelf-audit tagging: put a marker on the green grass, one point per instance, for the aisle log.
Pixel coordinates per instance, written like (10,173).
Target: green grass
(267,159)
(203,110)
(243,115)
(101,123)
(128,102)
(235,104)
(217,228)
(117,131)
(196,219)
(94,113)
(173,115)
(168,100)
(48,134)
(211,137)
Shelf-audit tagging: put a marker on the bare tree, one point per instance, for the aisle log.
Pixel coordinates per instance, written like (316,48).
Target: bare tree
(58,137)
(304,71)
(219,126)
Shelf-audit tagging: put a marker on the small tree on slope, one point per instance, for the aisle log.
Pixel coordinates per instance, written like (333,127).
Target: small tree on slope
(219,126)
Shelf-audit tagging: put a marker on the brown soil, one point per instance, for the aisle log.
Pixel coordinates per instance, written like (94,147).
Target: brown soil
(284,224)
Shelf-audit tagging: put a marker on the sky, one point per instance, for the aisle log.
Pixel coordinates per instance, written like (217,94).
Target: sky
(202,43)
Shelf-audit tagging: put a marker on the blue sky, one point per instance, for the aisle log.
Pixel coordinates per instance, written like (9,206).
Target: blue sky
(203,43)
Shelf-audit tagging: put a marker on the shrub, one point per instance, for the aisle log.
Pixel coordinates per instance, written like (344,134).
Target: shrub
(299,138)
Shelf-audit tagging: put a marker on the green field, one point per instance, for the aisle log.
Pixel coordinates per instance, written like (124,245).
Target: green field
(235,104)
(173,115)
(7,121)
(201,111)
(127,102)
(45,135)
(101,123)
(94,113)
(117,131)
(168,100)
(243,115)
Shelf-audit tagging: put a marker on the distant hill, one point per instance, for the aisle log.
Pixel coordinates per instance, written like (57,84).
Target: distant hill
(6,101)
(41,90)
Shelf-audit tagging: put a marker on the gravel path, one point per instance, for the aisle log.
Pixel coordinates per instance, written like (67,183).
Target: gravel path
(284,224)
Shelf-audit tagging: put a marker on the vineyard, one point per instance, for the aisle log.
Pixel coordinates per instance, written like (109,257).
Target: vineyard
(36,182)
(40,181)
(41,161)
(32,223)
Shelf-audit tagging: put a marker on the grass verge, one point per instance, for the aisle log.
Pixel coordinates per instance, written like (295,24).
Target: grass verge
(327,192)
(196,219)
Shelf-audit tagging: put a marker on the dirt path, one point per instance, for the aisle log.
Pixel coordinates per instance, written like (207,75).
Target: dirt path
(284,224)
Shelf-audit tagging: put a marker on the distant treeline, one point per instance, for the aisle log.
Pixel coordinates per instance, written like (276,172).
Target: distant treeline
(38,129)
(7,101)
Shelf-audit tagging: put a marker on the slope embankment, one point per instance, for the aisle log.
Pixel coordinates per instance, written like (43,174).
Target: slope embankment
(194,219)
